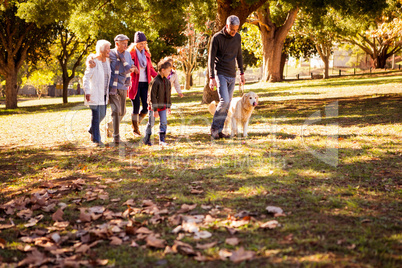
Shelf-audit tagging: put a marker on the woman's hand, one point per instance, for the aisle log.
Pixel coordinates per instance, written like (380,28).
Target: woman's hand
(88,97)
(156,114)
(169,111)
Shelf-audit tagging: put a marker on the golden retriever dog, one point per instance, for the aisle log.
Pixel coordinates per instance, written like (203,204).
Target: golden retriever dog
(240,111)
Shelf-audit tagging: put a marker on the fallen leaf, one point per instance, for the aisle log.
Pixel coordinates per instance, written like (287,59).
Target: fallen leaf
(241,255)
(96,210)
(95,217)
(177,229)
(231,231)
(83,248)
(186,208)
(129,202)
(200,257)
(49,207)
(25,214)
(195,191)
(234,241)
(84,217)
(270,225)
(134,244)
(224,253)
(183,248)
(236,224)
(274,210)
(61,224)
(206,207)
(143,230)
(152,241)
(58,215)
(55,237)
(115,241)
(206,246)
(202,235)
(34,259)
(175,220)
(156,219)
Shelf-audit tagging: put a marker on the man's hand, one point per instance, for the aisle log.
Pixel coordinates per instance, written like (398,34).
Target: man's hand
(242,79)
(134,69)
(88,97)
(156,114)
(181,95)
(91,63)
(212,83)
(169,111)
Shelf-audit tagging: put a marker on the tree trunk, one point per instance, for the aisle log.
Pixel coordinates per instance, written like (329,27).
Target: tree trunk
(188,80)
(273,38)
(225,9)
(283,62)
(11,89)
(381,61)
(191,80)
(324,50)
(66,81)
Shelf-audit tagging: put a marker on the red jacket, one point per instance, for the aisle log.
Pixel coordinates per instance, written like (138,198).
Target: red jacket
(132,91)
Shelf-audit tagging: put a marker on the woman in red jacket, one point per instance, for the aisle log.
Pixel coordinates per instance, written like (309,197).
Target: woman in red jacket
(138,92)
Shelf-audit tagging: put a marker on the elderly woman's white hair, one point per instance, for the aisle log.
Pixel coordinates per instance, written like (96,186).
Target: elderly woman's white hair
(232,20)
(101,45)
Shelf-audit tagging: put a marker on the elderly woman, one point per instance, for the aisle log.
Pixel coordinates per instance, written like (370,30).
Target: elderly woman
(96,87)
(140,78)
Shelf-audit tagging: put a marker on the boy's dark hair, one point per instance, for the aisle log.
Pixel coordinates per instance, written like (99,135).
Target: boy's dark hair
(164,64)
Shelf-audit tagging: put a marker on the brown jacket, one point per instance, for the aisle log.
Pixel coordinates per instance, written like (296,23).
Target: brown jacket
(159,92)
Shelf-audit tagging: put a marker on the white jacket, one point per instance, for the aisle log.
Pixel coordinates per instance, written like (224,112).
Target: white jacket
(174,81)
(94,83)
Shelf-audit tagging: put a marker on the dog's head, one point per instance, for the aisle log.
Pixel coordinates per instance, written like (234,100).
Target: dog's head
(250,99)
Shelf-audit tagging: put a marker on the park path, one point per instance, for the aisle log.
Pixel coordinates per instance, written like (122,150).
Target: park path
(52,129)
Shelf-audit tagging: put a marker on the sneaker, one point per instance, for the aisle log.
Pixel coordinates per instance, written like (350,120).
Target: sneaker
(100,144)
(223,136)
(147,142)
(163,144)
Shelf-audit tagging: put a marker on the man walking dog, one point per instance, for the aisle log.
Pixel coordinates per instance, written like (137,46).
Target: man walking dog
(225,50)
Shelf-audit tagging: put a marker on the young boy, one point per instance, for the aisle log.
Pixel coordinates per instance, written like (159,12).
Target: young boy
(159,102)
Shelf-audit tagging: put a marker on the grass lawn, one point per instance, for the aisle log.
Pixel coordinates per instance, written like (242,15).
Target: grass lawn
(328,153)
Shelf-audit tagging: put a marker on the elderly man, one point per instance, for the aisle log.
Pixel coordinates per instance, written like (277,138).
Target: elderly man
(121,66)
(225,50)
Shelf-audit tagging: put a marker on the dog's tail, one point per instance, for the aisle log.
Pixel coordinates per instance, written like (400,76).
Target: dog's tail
(212,107)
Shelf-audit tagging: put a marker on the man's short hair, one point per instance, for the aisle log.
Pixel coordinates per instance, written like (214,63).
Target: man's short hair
(232,20)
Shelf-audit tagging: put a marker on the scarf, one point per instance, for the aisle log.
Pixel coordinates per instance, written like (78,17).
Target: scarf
(126,72)
(142,59)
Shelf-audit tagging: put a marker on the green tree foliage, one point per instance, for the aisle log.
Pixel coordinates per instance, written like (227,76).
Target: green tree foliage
(378,36)
(20,41)
(251,45)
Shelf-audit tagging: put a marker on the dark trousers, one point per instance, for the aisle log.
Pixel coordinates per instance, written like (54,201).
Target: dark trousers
(141,97)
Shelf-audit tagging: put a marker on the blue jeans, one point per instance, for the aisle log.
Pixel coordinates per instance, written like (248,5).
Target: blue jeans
(151,122)
(226,87)
(98,114)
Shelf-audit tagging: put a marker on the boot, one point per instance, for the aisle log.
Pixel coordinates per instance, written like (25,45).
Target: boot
(141,117)
(134,122)
(162,136)
(109,130)
(147,140)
